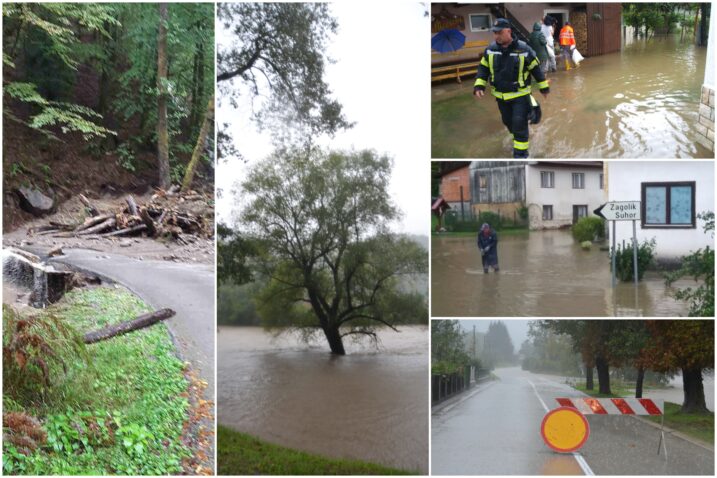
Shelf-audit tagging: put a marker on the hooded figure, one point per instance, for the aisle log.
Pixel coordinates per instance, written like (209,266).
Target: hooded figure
(488,247)
(538,42)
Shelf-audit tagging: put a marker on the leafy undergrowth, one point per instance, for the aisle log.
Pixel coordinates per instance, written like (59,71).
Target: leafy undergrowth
(700,426)
(120,411)
(242,454)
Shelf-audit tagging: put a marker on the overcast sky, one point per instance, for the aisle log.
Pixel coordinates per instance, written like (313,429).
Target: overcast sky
(518,329)
(384,87)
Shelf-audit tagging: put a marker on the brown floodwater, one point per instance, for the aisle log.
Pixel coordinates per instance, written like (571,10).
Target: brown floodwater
(641,102)
(543,273)
(371,404)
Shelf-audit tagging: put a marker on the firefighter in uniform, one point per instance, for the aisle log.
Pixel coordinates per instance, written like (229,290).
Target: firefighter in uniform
(508,64)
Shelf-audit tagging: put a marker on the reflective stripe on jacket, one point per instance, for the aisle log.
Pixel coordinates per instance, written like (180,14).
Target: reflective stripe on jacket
(509,70)
(567,38)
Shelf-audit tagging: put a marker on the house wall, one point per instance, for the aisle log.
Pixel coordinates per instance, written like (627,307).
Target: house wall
(451,185)
(562,197)
(625,185)
(464,11)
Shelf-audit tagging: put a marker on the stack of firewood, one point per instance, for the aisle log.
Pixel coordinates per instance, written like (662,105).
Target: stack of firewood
(160,217)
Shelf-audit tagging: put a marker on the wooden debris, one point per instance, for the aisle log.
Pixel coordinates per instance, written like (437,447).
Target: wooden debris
(55,251)
(128,326)
(170,214)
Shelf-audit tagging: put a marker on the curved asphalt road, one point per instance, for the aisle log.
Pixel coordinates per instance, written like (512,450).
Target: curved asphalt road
(188,289)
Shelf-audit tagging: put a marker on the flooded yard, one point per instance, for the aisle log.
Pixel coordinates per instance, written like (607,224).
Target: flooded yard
(542,274)
(370,405)
(641,102)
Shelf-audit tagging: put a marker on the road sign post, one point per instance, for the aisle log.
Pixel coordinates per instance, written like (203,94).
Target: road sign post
(622,211)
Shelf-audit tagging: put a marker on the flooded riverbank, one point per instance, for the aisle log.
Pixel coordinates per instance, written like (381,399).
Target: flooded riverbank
(370,405)
(543,273)
(641,102)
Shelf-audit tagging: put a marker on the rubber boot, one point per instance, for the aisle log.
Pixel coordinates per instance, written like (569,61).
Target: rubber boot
(567,65)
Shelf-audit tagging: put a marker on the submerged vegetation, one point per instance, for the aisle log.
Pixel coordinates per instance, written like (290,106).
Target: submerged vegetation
(116,407)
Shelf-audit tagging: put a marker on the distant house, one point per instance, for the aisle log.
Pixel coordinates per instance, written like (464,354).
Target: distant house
(672,194)
(597,25)
(561,192)
(498,187)
(556,194)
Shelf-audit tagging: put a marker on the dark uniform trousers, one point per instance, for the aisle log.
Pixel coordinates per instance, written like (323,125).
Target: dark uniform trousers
(514,114)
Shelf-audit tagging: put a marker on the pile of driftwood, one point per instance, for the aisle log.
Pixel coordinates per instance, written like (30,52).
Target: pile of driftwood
(160,217)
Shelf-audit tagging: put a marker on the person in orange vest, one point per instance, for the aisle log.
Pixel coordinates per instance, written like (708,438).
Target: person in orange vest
(567,43)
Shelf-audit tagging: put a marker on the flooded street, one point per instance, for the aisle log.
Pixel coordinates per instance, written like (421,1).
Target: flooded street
(641,102)
(370,405)
(543,273)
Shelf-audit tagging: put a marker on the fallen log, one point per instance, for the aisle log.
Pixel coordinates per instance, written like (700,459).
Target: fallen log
(92,209)
(125,231)
(122,328)
(131,205)
(147,219)
(99,227)
(91,221)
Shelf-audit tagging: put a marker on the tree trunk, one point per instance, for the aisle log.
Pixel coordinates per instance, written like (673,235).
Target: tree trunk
(335,341)
(162,132)
(589,385)
(694,391)
(640,380)
(603,370)
(197,87)
(199,148)
(128,326)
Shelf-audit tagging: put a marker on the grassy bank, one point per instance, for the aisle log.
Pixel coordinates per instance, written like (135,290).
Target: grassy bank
(119,410)
(242,454)
(693,425)
(701,427)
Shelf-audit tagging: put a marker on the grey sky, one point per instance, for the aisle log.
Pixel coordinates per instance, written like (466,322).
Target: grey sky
(518,329)
(383,88)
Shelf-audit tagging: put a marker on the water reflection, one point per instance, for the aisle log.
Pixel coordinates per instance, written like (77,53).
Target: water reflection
(637,103)
(370,405)
(544,273)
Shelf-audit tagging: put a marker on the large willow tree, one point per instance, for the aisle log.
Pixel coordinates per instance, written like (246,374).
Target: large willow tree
(322,221)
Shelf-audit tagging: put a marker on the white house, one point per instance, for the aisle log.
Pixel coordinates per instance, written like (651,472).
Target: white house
(672,194)
(560,193)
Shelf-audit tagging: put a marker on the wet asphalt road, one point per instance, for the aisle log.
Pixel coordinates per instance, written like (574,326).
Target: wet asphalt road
(188,289)
(494,429)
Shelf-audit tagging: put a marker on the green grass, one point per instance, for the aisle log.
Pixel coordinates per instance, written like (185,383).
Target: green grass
(242,454)
(503,232)
(700,426)
(617,389)
(119,412)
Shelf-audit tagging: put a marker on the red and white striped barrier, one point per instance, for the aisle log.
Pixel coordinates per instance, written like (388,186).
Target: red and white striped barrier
(615,406)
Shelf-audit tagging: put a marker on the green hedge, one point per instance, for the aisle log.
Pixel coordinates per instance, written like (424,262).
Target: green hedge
(588,229)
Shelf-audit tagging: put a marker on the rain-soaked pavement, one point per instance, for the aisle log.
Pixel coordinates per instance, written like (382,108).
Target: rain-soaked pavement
(494,429)
(543,273)
(641,102)
(368,405)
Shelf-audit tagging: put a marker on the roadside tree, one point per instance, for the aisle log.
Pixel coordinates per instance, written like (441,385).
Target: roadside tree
(276,56)
(687,346)
(322,219)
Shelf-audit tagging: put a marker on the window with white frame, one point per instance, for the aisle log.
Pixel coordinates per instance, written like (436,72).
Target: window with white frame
(668,204)
(547,179)
(480,22)
(548,213)
(578,180)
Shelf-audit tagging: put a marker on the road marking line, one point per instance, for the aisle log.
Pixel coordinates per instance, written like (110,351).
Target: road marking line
(578,457)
